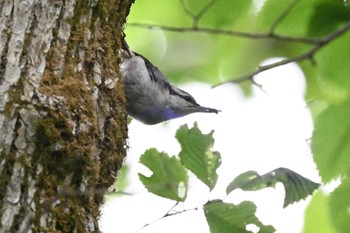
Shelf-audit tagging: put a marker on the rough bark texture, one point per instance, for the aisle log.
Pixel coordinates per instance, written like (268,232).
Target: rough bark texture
(62,112)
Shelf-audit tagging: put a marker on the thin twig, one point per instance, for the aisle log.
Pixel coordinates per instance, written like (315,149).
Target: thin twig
(307,55)
(258,85)
(317,42)
(169,213)
(197,17)
(280,19)
(205,9)
(187,10)
(164,216)
(215,31)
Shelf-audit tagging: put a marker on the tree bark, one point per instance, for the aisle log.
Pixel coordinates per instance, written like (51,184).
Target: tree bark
(62,112)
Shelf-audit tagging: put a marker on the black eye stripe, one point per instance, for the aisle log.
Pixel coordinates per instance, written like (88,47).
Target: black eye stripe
(182,94)
(188,98)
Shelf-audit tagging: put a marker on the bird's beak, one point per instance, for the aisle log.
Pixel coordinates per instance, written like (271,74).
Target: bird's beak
(205,109)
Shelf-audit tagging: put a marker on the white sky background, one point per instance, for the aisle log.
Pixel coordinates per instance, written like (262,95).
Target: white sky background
(262,133)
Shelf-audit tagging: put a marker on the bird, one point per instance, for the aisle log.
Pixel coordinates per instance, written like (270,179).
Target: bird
(150,97)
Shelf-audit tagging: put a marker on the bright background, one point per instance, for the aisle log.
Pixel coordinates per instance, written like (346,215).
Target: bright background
(269,129)
(266,131)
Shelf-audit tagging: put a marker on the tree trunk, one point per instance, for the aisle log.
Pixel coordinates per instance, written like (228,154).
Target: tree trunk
(62,112)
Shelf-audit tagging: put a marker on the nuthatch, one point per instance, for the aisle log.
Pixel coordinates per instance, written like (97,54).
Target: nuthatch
(150,98)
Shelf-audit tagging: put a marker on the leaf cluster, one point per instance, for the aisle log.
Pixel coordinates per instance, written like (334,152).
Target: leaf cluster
(169,179)
(226,41)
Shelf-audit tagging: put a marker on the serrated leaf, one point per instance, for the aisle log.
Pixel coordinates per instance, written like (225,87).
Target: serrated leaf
(169,178)
(330,142)
(318,209)
(296,186)
(197,155)
(225,217)
(340,207)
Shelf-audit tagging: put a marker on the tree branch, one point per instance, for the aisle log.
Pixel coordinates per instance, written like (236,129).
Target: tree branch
(169,213)
(215,31)
(317,42)
(307,55)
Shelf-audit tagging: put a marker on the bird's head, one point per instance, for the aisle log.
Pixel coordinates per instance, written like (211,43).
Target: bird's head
(181,104)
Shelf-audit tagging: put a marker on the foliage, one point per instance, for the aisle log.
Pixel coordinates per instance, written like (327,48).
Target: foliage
(339,207)
(224,217)
(296,186)
(226,41)
(197,156)
(318,209)
(330,143)
(169,178)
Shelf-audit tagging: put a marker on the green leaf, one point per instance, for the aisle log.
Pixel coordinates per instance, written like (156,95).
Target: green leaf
(295,23)
(317,217)
(313,18)
(312,88)
(169,178)
(129,119)
(235,14)
(330,142)
(251,181)
(270,12)
(144,11)
(225,217)
(296,186)
(340,207)
(197,155)
(122,181)
(347,3)
(327,16)
(334,68)
(117,189)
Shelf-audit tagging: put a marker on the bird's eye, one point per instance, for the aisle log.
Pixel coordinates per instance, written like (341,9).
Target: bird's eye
(188,98)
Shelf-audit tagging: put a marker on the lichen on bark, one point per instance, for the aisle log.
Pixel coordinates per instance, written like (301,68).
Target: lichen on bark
(62,112)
